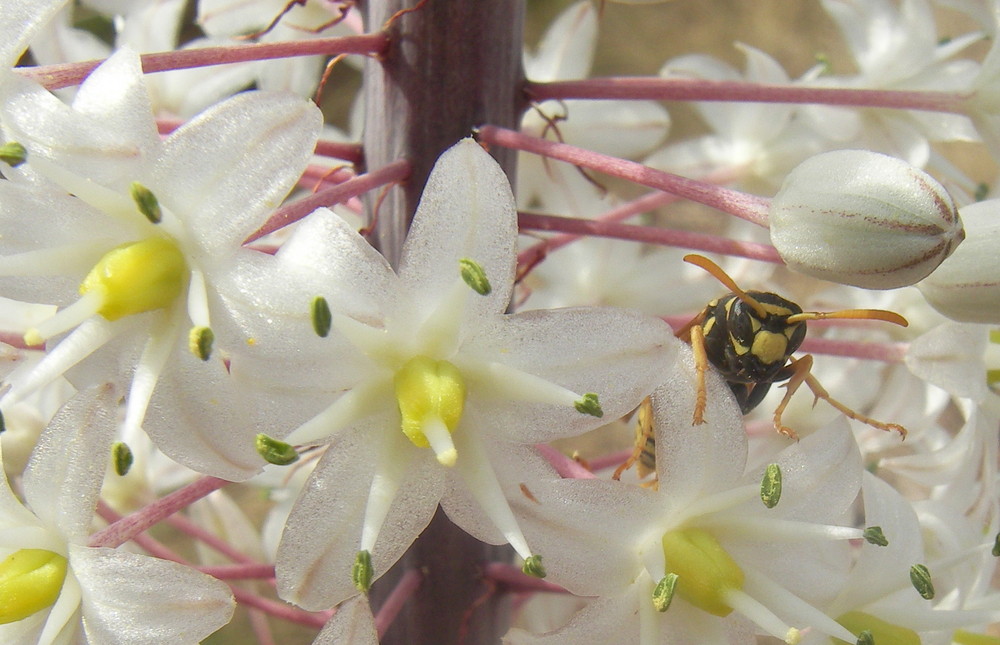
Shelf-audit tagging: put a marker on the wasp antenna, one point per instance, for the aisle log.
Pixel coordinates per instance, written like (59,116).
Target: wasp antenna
(702,262)
(856,314)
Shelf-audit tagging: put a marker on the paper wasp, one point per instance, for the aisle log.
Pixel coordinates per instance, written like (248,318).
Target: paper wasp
(749,337)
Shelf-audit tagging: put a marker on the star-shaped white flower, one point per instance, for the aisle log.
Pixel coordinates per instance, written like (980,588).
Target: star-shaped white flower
(425,390)
(740,566)
(133,236)
(56,588)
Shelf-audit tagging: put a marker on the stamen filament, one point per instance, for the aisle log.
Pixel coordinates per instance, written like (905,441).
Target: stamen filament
(355,404)
(80,344)
(477,471)
(197,300)
(72,316)
(760,615)
(154,358)
(393,462)
(506,382)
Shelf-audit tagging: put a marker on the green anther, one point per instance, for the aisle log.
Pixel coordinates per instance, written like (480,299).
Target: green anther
(874,535)
(146,202)
(770,486)
(533,567)
(13,154)
(996,540)
(362,572)
(319,313)
(921,579)
(137,277)
(30,581)
(427,390)
(872,630)
(122,457)
(474,275)
(663,593)
(705,569)
(962,637)
(200,340)
(982,191)
(589,405)
(275,451)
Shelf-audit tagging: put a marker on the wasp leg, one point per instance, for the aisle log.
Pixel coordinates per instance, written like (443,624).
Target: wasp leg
(700,367)
(644,449)
(801,374)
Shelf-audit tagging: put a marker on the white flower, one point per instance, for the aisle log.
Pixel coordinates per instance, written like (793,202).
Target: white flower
(741,566)
(863,218)
(425,389)
(620,128)
(966,287)
(141,280)
(79,593)
(750,143)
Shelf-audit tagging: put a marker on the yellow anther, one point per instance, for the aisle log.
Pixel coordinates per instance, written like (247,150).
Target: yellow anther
(431,397)
(30,581)
(705,570)
(137,277)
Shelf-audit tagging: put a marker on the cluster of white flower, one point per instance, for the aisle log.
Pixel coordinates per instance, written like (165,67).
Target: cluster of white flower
(160,340)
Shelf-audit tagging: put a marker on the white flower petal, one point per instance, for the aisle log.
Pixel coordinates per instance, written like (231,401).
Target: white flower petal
(352,624)
(72,454)
(19,21)
(951,356)
(224,170)
(617,354)
(696,460)
(610,619)
(466,211)
(130,598)
(567,49)
(323,532)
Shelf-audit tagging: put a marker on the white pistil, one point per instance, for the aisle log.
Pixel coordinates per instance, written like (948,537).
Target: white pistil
(760,615)
(440,439)
(477,471)
(506,382)
(355,404)
(72,316)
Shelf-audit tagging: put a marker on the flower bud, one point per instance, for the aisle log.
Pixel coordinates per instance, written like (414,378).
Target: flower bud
(966,287)
(863,218)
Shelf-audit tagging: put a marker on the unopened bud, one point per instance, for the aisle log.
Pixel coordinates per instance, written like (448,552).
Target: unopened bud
(862,218)
(966,287)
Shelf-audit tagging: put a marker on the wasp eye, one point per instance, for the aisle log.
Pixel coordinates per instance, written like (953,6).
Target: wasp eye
(743,322)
